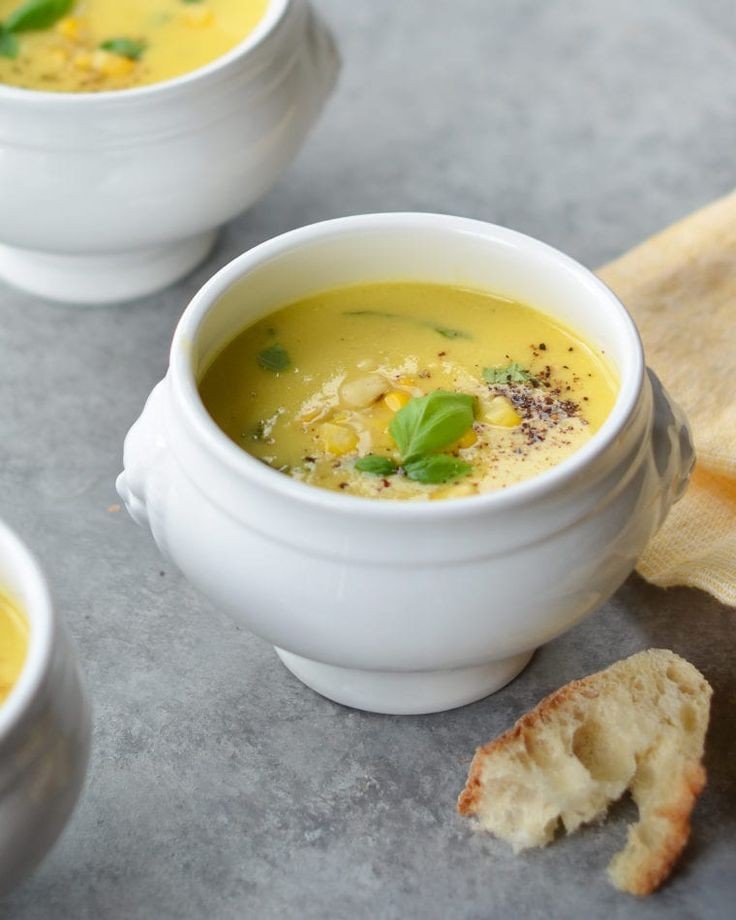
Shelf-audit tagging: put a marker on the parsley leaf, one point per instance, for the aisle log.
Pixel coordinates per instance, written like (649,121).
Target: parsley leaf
(377,466)
(509,373)
(8,44)
(275,358)
(449,333)
(430,423)
(446,332)
(436,469)
(126,47)
(37,14)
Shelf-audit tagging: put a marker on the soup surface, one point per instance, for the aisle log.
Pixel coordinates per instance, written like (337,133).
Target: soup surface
(409,391)
(92,45)
(13,645)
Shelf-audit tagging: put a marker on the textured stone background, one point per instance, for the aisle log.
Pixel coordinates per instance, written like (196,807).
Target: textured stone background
(220,787)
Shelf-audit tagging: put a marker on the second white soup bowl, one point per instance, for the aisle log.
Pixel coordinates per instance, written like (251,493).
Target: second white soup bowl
(44,724)
(113,195)
(389,606)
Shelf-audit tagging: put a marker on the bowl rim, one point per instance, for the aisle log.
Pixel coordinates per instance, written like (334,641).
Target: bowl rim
(276,11)
(39,611)
(186,394)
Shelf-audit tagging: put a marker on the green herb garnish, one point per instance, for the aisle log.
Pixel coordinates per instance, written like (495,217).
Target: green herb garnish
(382,313)
(36,14)
(377,466)
(508,373)
(423,427)
(436,469)
(126,47)
(8,44)
(275,358)
(428,424)
(448,333)
(445,331)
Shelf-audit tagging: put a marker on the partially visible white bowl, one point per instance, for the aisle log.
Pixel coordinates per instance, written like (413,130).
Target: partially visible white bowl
(404,607)
(110,196)
(44,724)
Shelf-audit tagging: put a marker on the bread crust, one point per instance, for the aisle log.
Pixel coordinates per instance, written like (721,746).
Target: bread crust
(525,726)
(661,834)
(650,875)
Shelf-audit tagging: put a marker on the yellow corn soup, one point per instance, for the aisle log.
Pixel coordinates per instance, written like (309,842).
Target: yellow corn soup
(94,45)
(13,645)
(409,391)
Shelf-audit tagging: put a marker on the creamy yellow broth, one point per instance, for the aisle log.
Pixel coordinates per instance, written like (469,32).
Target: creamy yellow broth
(313,388)
(115,44)
(13,645)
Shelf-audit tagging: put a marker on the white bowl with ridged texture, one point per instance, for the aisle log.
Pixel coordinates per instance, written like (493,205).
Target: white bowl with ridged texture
(404,607)
(114,195)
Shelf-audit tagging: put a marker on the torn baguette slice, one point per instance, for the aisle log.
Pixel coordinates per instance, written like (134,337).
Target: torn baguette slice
(638,725)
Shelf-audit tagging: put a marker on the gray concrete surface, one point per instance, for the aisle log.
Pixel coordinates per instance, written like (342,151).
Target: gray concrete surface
(220,787)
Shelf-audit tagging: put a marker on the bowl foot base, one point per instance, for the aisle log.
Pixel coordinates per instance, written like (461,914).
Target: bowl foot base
(106,278)
(404,692)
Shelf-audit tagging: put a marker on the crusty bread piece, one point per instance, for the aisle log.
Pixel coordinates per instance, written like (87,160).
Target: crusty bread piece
(638,725)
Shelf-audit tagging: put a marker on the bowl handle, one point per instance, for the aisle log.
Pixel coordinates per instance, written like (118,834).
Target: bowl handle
(146,463)
(672,445)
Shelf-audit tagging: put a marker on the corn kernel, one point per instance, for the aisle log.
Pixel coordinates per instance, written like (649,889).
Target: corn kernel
(70,27)
(459,491)
(396,399)
(468,439)
(198,17)
(111,64)
(338,439)
(501,412)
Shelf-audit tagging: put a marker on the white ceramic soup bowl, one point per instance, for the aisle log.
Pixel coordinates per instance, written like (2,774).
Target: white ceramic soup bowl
(109,196)
(44,724)
(388,606)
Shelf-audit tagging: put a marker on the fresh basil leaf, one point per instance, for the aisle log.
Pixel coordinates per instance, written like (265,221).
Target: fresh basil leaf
(377,466)
(508,373)
(448,333)
(191,1)
(9,46)
(126,47)
(274,358)
(437,468)
(430,423)
(37,14)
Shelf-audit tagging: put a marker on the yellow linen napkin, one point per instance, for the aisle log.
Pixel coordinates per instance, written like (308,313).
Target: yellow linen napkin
(680,287)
